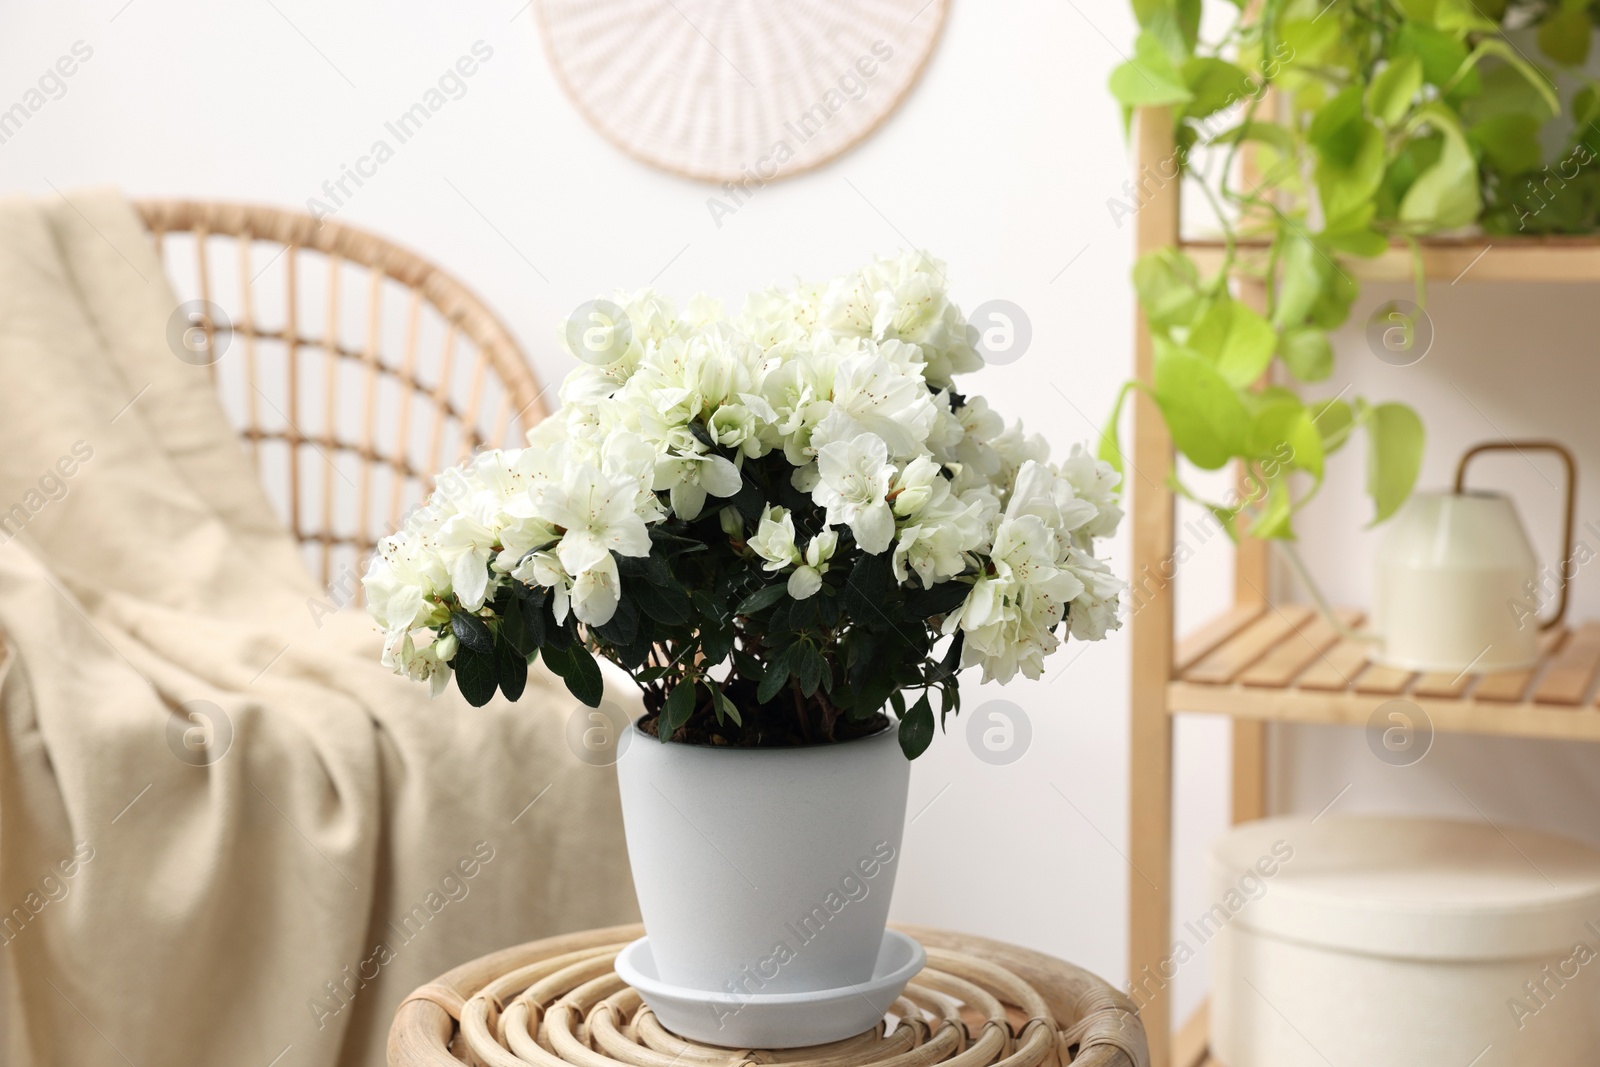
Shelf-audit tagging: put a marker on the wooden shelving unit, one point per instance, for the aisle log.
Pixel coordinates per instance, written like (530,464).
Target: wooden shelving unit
(1260,661)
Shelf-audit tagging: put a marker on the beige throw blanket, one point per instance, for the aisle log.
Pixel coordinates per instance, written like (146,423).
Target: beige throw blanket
(160,904)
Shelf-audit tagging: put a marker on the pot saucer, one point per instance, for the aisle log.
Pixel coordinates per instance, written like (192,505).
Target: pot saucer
(774,1020)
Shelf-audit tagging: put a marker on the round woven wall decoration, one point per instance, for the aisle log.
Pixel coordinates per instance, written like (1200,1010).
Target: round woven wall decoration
(738,90)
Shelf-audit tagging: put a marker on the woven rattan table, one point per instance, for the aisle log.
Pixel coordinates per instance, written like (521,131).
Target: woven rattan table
(557,1002)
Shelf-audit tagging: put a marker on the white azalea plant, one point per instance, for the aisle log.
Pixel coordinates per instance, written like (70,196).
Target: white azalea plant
(781,524)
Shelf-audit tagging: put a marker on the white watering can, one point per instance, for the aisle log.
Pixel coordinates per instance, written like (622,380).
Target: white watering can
(1457,579)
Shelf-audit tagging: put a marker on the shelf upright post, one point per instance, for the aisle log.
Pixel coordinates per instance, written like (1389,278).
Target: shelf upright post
(1151,610)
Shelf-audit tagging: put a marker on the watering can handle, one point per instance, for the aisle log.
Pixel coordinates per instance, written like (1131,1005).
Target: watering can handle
(1567,517)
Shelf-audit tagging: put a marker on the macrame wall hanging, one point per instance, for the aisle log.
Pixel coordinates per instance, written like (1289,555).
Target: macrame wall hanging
(738,90)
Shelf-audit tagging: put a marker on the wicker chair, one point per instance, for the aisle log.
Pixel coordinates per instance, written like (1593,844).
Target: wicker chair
(352,368)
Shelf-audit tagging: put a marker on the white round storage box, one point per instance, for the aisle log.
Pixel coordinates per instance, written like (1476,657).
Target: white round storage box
(1399,942)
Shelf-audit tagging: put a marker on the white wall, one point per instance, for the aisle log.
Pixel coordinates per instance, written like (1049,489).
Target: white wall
(1001,161)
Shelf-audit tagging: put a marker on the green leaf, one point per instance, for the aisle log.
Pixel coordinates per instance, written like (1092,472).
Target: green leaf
(1334,419)
(1352,232)
(1445,196)
(749,501)
(1307,353)
(476,675)
(1442,54)
(472,632)
(1350,166)
(940,600)
(1394,456)
(1510,143)
(514,628)
(1333,302)
(811,667)
(1110,449)
(761,598)
(667,604)
(1418,10)
(723,706)
(651,568)
(916,729)
(511,668)
(866,592)
(776,677)
(1564,36)
(1586,105)
(1202,411)
(1273,524)
(623,625)
(1462,16)
(1271,134)
(1168,286)
(715,646)
(1304,273)
(1533,76)
(676,710)
(1282,436)
(1392,90)
(1148,79)
(1311,41)
(1236,340)
(1215,84)
(578,669)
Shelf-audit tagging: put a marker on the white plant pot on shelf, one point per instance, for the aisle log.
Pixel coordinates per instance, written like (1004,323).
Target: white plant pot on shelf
(764,871)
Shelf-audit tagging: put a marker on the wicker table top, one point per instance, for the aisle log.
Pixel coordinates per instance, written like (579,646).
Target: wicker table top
(557,1002)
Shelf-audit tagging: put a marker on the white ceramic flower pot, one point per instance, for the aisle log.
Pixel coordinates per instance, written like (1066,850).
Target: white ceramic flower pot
(764,871)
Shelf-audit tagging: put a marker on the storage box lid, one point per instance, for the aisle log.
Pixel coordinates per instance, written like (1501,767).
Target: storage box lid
(1408,887)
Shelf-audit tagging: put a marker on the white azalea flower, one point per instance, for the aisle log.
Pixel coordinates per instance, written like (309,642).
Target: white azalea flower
(544,569)
(853,487)
(466,545)
(744,425)
(937,544)
(688,477)
(916,485)
(807,578)
(596,591)
(1096,481)
(598,515)
(873,395)
(774,540)
(402,655)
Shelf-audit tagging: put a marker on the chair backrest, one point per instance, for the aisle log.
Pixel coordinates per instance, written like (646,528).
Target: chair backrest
(352,368)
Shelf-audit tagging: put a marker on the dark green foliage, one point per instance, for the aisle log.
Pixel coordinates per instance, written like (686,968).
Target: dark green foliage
(722,651)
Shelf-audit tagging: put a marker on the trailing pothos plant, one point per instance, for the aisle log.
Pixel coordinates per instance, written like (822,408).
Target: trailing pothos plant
(1387,121)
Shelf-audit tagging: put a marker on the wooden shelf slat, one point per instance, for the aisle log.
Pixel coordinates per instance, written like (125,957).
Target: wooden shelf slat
(1384,680)
(1567,679)
(1199,644)
(1450,259)
(1337,668)
(1254,641)
(1442,684)
(1283,664)
(1506,687)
